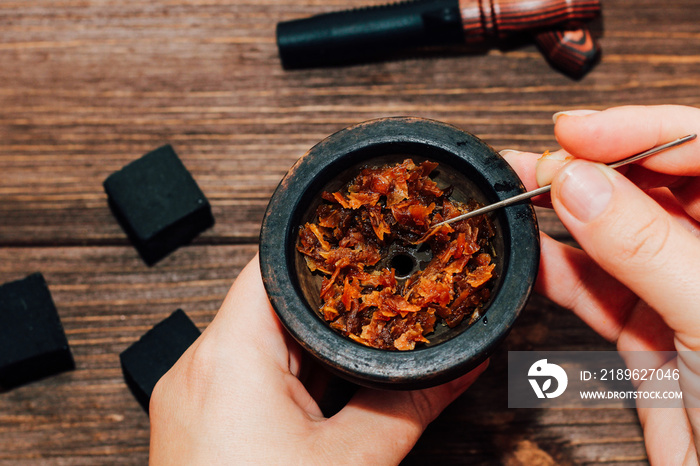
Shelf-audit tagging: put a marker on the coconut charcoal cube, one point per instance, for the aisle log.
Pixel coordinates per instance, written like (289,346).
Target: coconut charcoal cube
(158,203)
(147,360)
(32,342)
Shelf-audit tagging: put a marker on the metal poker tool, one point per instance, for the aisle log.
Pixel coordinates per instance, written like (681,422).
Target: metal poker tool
(546,189)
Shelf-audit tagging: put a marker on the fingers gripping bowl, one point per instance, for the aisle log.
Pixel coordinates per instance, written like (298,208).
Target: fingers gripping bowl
(475,172)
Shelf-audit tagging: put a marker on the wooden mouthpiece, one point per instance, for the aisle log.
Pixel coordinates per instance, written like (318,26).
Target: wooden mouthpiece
(574,52)
(484,20)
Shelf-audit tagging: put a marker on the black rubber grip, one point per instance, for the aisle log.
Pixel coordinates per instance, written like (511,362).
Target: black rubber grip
(364,34)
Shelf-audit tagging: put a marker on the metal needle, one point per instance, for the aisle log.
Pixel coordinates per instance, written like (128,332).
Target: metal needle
(546,189)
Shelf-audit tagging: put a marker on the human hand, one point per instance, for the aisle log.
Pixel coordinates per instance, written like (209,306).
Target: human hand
(235,397)
(637,280)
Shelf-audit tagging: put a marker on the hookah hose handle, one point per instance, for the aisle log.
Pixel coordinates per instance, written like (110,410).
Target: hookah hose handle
(363,34)
(572,51)
(354,36)
(499,19)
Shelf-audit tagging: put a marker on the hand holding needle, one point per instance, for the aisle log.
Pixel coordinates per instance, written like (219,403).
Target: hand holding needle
(546,189)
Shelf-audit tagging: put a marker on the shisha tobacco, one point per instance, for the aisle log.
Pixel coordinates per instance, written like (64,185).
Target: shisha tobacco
(395,205)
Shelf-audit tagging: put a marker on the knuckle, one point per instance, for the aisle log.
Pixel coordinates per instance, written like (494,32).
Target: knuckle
(422,406)
(203,360)
(187,382)
(157,401)
(180,375)
(189,376)
(646,242)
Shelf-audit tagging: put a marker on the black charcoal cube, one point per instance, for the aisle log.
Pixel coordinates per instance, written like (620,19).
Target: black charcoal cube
(147,360)
(32,342)
(158,203)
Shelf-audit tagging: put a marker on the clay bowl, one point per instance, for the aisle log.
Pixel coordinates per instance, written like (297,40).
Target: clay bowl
(465,162)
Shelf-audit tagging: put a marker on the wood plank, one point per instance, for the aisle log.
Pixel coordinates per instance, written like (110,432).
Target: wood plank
(107,298)
(205,76)
(87,86)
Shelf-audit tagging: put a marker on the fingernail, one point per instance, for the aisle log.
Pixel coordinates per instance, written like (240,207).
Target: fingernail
(549,165)
(556,116)
(505,152)
(585,189)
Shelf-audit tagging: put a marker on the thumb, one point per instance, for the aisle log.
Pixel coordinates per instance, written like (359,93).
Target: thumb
(630,236)
(386,424)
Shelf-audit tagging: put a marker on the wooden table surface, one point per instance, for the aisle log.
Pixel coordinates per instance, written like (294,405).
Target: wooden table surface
(89,85)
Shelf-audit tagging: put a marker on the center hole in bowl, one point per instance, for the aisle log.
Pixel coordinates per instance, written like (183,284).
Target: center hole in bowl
(404,265)
(405,259)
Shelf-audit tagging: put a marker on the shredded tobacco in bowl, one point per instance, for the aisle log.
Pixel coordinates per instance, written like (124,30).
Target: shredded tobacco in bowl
(354,229)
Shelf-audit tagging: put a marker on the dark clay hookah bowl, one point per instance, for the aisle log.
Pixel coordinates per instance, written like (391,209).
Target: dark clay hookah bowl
(475,171)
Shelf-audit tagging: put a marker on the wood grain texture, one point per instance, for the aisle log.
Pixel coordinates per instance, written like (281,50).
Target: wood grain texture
(106,299)
(502,18)
(573,51)
(88,85)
